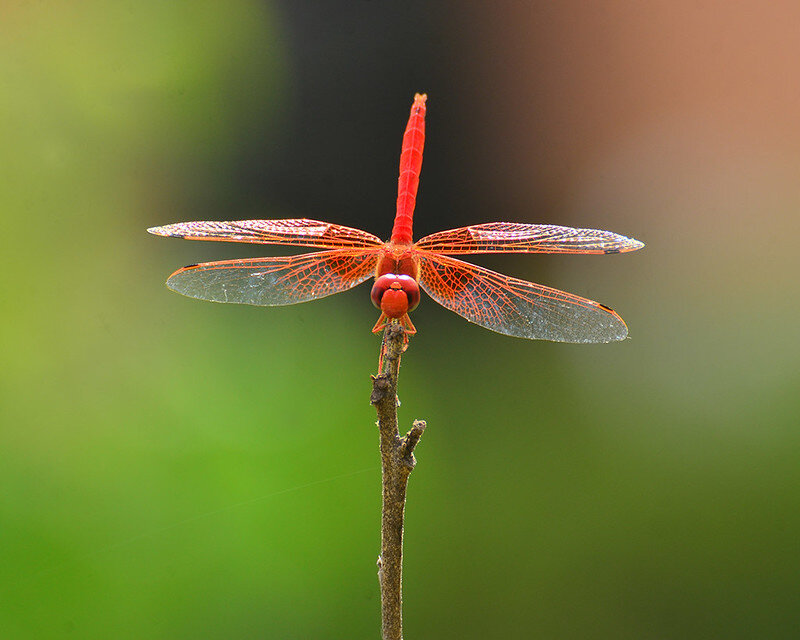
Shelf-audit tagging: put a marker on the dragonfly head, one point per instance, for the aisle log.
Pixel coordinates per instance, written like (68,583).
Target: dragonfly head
(395,295)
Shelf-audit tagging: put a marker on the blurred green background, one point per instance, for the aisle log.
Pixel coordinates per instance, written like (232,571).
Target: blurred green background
(179,469)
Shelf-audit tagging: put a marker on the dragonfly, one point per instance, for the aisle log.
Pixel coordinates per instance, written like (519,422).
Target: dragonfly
(400,267)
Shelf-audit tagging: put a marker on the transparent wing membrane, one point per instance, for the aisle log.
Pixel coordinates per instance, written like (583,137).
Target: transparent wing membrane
(515,307)
(275,281)
(298,232)
(497,302)
(512,237)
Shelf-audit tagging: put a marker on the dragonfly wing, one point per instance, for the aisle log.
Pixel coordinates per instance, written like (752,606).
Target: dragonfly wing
(277,281)
(299,232)
(516,307)
(512,237)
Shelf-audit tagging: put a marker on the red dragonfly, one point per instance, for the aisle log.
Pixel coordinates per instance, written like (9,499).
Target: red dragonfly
(400,266)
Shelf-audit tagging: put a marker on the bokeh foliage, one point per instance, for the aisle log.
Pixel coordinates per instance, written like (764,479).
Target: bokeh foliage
(173,469)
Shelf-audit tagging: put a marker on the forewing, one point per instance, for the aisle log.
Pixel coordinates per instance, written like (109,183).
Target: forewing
(299,232)
(516,307)
(275,281)
(513,237)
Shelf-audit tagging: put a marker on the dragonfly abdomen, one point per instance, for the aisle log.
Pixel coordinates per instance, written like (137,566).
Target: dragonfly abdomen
(410,167)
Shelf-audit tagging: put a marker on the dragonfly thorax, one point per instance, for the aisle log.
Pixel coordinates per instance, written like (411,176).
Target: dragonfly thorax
(395,295)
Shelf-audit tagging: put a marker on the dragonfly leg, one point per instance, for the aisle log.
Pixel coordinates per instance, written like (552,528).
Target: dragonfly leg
(380,325)
(409,329)
(382,353)
(408,325)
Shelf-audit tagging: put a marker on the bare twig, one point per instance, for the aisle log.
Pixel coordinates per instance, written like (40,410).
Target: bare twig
(397,459)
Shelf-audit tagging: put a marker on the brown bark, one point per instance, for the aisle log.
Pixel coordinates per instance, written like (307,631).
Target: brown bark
(397,461)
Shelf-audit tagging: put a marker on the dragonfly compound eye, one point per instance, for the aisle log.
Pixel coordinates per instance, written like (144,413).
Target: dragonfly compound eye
(395,295)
